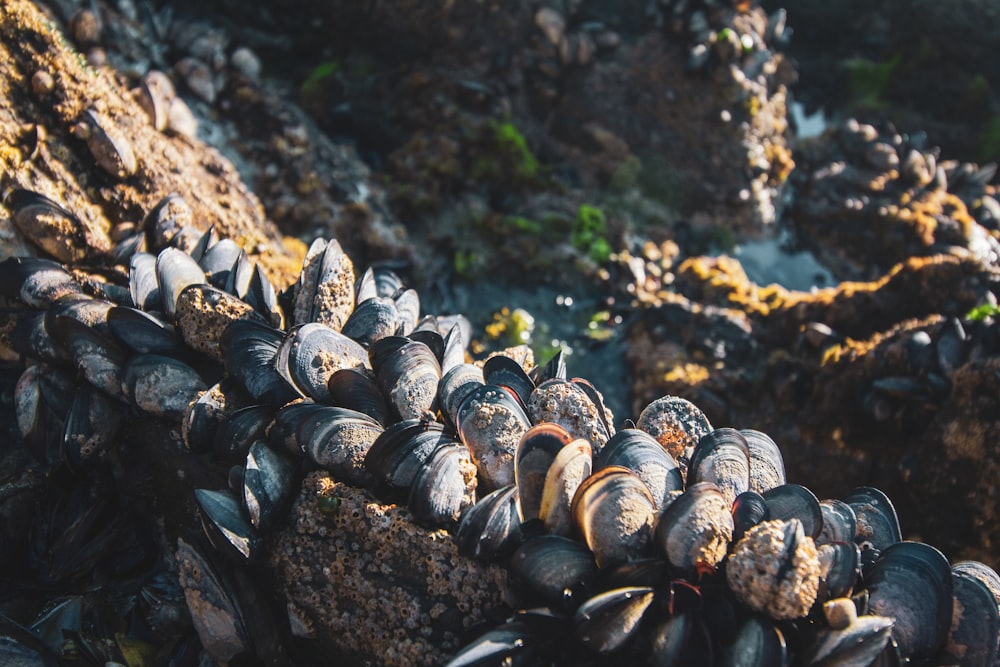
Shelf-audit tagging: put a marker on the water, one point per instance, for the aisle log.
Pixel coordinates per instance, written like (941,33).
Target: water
(769,261)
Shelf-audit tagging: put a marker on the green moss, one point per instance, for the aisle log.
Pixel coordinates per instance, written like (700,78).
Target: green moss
(989,141)
(505,156)
(466,263)
(589,231)
(982,312)
(867,80)
(313,84)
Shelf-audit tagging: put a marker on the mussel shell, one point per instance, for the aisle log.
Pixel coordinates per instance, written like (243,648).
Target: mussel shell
(533,458)
(502,371)
(35,281)
(839,522)
(260,296)
(758,643)
(722,457)
(571,466)
(206,240)
(239,276)
(877,521)
(767,467)
(224,524)
(974,636)
(217,614)
(127,247)
(444,486)
(161,386)
(401,450)
(455,386)
(239,429)
(553,566)
(554,368)
(490,423)
(31,338)
(97,356)
(204,313)
(841,562)
(110,148)
(91,428)
(175,270)
(408,309)
(606,621)
(167,218)
(408,376)
(311,353)
(355,389)
(373,320)
(144,333)
(218,261)
(48,225)
(695,530)
(681,640)
(981,571)
(860,643)
(676,423)
(249,349)
(491,528)
(571,406)
(509,644)
(269,485)
(749,509)
(640,453)
(42,400)
(338,440)
(142,283)
(911,582)
(793,501)
(325,289)
(614,512)
(203,416)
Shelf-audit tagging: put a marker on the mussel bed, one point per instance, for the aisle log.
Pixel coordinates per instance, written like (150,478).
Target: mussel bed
(514,519)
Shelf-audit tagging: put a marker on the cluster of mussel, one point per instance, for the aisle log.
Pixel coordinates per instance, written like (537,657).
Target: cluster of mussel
(669,541)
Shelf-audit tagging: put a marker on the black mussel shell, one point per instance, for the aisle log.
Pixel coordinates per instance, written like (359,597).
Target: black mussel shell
(355,389)
(839,522)
(225,524)
(142,283)
(408,374)
(554,369)
(640,453)
(681,640)
(455,386)
(793,501)
(758,643)
(97,356)
(338,440)
(161,386)
(401,450)
(502,371)
(48,225)
(767,467)
(509,644)
(842,564)
(269,485)
(722,457)
(239,429)
(175,270)
(445,485)
(204,415)
(35,281)
(877,521)
(249,350)
(911,582)
(694,531)
(144,333)
(218,261)
(974,636)
(261,296)
(554,567)
(568,469)
(749,509)
(218,616)
(311,353)
(533,458)
(614,513)
(490,528)
(373,320)
(91,429)
(606,621)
